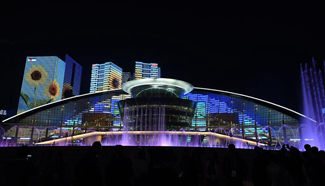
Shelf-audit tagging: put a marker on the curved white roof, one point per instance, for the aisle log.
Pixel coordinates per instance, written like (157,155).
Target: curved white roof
(57,101)
(188,87)
(128,86)
(257,99)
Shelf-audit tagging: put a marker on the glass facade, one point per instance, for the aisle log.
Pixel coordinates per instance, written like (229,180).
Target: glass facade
(217,111)
(146,70)
(42,83)
(243,117)
(72,75)
(107,76)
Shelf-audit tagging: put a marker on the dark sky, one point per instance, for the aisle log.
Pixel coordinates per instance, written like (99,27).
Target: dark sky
(249,49)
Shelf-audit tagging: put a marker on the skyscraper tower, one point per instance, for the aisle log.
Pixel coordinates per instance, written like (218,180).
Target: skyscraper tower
(106,76)
(72,77)
(146,70)
(42,82)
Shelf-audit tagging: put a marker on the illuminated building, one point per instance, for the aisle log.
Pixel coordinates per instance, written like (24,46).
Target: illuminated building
(106,76)
(72,77)
(201,112)
(156,104)
(199,119)
(115,110)
(42,82)
(146,70)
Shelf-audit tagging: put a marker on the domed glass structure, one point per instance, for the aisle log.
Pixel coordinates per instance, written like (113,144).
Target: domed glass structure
(210,116)
(156,104)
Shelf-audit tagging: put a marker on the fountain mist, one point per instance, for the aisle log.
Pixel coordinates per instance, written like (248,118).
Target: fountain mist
(312,80)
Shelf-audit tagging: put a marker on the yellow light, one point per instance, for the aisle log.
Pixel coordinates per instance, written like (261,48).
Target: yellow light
(66,139)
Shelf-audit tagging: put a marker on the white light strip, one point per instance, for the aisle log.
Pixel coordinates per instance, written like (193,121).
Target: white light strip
(24,138)
(66,139)
(243,95)
(128,86)
(198,88)
(82,95)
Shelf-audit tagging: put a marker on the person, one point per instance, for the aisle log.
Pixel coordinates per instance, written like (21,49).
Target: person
(295,168)
(307,153)
(307,147)
(233,167)
(189,172)
(316,168)
(314,150)
(96,147)
(283,148)
(140,166)
(259,167)
(88,169)
(119,170)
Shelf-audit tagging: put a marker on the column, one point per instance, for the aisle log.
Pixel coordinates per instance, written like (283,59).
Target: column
(255,126)
(31,136)
(269,127)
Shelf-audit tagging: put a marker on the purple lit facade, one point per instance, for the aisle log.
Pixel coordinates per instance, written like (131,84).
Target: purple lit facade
(312,78)
(160,112)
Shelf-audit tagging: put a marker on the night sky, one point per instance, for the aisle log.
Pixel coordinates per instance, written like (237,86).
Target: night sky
(249,49)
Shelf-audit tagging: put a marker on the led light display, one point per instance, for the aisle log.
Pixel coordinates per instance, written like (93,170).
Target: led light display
(107,76)
(114,108)
(146,70)
(72,77)
(42,82)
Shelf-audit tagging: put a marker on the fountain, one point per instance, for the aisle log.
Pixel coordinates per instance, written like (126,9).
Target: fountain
(313,92)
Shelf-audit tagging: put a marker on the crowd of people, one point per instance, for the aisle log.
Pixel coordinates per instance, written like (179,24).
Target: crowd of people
(118,165)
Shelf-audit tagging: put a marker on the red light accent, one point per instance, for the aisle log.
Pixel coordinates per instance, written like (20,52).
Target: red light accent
(31,59)
(154,64)
(94,65)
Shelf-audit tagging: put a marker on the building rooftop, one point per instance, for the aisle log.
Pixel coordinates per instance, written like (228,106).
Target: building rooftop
(136,87)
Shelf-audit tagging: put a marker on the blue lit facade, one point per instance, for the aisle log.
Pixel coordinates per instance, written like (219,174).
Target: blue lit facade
(42,82)
(146,70)
(116,112)
(199,119)
(218,111)
(241,117)
(73,74)
(107,76)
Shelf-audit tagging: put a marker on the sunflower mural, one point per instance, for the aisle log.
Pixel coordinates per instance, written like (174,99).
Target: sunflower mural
(52,90)
(67,91)
(115,80)
(41,82)
(36,75)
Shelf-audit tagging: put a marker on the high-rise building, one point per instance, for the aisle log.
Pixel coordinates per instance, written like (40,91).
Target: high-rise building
(146,70)
(72,77)
(106,76)
(42,82)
